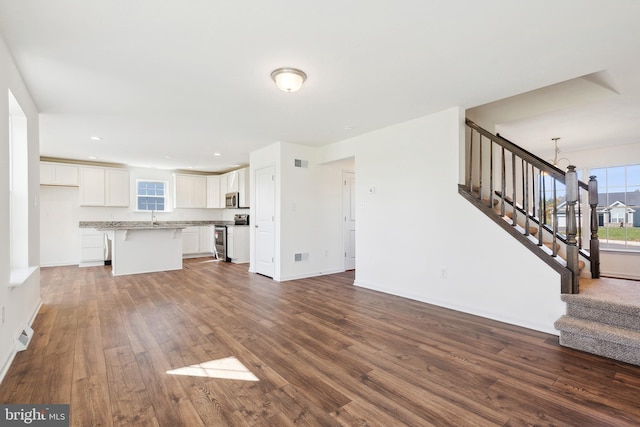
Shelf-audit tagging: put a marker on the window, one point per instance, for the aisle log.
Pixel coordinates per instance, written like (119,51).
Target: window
(151,195)
(619,207)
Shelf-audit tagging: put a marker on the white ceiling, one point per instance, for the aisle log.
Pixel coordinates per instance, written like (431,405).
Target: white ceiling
(161,78)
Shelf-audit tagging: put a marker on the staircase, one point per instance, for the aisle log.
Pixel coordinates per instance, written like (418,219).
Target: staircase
(604,319)
(543,207)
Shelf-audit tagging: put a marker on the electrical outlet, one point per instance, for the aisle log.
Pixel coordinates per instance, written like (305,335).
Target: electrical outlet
(443,273)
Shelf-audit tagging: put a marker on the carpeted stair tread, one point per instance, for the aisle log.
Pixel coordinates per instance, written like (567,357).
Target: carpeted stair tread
(602,304)
(598,330)
(596,338)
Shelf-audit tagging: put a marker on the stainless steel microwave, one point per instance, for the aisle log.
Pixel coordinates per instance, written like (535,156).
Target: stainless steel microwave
(231,200)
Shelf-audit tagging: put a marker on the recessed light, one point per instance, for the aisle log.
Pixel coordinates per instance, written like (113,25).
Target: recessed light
(167,157)
(95,138)
(348,127)
(217,154)
(92,157)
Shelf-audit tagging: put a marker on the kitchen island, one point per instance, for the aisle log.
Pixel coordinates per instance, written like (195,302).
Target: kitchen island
(144,247)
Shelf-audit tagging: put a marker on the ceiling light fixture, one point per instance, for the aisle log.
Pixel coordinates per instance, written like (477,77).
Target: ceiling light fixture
(95,138)
(288,79)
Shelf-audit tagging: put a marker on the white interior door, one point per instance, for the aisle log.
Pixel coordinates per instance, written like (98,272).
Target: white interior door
(349,212)
(265,221)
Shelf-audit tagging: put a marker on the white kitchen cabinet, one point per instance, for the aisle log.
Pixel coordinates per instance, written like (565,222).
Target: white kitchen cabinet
(92,186)
(223,189)
(191,240)
(104,187)
(238,243)
(58,174)
(117,187)
(232,182)
(197,240)
(92,247)
(243,187)
(236,182)
(206,239)
(190,191)
(213,192)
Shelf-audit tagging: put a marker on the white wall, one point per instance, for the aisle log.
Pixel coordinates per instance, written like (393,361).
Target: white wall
(311,214)
(21,303)
(60,214)
(308,210)
(447,253)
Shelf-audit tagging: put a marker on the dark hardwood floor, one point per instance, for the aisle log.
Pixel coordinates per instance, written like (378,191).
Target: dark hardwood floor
(325,353)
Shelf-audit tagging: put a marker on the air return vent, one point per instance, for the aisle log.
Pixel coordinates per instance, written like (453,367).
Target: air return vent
(301,163)
(301,256)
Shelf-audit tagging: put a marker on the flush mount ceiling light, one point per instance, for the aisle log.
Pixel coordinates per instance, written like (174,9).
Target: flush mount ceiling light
(288,79)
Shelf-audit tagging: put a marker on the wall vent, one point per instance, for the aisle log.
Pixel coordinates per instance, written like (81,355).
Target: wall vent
(301,257)
(301,163)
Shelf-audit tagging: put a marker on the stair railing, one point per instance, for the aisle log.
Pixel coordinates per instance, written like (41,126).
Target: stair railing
(539,193)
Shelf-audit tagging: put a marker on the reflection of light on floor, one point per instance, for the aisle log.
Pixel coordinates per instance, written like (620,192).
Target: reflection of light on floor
(228,368)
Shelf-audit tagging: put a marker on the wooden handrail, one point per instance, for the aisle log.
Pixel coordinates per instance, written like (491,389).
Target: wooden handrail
(531,158)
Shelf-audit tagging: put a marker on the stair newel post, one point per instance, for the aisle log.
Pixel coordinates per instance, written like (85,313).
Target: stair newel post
(571,183)
(594,244)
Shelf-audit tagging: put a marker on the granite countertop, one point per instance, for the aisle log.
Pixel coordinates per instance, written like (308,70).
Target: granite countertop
(147,225)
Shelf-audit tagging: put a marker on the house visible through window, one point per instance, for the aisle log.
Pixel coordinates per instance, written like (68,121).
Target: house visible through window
(619,207)
(151,195)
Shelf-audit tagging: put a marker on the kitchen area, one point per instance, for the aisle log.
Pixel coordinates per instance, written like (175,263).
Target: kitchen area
(100,214)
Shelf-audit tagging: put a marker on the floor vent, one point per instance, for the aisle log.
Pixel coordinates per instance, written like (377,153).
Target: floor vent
(22,341)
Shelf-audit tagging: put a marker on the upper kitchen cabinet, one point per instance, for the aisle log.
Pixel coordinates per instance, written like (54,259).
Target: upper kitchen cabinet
(235,182)
(104,187)
(232,182)
(243,187)
(214,200)
(58,174)
(190,191)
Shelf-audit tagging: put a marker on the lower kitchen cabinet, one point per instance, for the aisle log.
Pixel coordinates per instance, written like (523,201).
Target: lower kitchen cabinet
(238,243)
(92,247)
(197,241)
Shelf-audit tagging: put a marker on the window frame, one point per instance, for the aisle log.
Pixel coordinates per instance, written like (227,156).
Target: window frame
(630,183)
(165,196)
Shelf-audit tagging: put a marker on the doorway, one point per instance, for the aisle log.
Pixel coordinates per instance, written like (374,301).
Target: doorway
(349,213)
(265,221)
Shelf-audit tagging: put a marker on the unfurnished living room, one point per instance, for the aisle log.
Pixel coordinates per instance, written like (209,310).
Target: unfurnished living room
(323,214)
